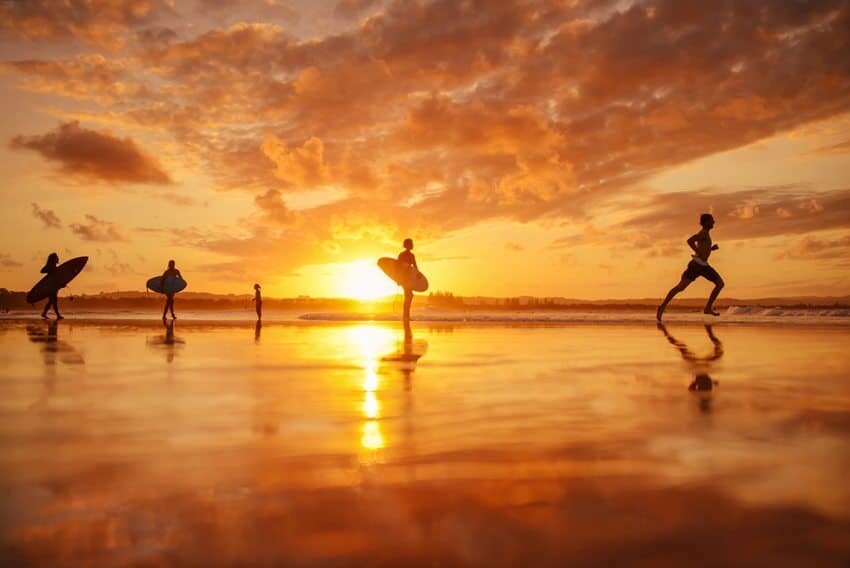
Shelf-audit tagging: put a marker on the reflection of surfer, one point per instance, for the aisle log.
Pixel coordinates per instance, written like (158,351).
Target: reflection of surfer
(257,329)
(168,341)
(258,301)
(53,298)
(51,348)
(405,358)
(169,298)
(407,258)
(702,381)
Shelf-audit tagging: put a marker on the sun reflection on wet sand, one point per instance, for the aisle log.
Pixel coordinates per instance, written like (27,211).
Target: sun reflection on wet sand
(371,341)
(340,445)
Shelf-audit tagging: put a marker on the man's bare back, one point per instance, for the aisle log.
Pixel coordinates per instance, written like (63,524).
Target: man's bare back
(701,244)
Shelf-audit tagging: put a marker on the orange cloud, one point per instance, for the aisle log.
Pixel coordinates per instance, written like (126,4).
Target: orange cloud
(353,8)
(47,216)
(302,167)
(98,230)
(813,247)
(99,23)
(85,77)
(7,262)
(92,155)
(434,116)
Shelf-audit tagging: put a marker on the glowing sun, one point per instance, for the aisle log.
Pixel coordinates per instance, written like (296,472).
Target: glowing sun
(363,280)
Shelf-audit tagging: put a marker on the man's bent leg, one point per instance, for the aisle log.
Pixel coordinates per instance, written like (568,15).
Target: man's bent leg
(683,283)
(709,306)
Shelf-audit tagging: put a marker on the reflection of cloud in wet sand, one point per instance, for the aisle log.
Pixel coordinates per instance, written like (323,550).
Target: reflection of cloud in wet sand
(462,522)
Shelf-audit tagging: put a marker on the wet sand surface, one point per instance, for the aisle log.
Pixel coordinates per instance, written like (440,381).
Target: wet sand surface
(130,444)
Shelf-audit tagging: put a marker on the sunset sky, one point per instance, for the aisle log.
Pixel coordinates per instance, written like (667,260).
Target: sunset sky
(550,147)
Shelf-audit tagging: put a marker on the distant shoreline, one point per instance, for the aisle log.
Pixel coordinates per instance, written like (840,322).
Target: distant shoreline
(194,301)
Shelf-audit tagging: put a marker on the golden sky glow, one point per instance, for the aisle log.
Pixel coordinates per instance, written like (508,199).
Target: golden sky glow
(528,146)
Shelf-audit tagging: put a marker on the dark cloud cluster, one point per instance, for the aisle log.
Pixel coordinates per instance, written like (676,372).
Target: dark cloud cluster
(91,155)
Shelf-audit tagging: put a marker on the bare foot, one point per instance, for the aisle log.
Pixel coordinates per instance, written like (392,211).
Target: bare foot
(58,317)
(711,312)
(44,316)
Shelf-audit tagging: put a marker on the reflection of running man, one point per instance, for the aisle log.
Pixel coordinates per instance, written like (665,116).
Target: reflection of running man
(702,381)
(701,244)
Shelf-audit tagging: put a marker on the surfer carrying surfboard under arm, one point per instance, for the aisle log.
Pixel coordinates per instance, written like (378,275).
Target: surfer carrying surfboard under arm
(53,298)
(407,258)
(171,271)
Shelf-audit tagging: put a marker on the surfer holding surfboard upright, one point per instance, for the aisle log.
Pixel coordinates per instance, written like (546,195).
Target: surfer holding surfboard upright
(407,258)
(53,298)
(404,272)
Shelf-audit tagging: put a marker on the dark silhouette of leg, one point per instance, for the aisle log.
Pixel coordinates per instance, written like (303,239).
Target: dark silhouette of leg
(683,283)
(55,300)
(47,307)
(408,300)
(709,306)
(167,305)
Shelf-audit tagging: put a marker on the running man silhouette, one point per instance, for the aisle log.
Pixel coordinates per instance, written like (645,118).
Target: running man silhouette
(406,257)
(53,299)
(169,298)
(701,244)
(258,301)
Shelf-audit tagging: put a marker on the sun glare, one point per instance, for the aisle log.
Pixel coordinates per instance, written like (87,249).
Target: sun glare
(363,280)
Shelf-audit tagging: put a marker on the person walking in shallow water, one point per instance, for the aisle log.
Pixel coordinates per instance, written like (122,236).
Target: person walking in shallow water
(53,299)
(258,301)
(407,258)
(702,246)
(169,298)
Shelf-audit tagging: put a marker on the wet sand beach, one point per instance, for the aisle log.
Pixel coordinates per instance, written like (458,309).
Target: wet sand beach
(133,443)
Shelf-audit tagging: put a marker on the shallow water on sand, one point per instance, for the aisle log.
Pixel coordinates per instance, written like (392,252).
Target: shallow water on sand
(309,444)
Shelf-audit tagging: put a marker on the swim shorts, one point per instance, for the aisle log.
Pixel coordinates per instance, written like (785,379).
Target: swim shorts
(695,269)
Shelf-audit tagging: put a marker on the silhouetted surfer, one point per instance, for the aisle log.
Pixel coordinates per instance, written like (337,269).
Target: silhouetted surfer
(53,298)
(258,301)
(169,298)
(702,247)
(406,257)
